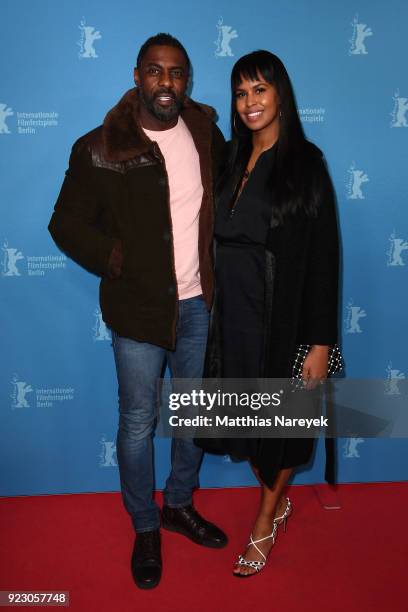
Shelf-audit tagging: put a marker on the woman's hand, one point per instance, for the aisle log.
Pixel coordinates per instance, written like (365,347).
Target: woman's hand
(315,365)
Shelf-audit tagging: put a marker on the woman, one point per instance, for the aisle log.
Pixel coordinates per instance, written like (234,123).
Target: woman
(276,273)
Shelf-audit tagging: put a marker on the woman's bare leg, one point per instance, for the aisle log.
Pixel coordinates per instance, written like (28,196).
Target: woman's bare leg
(272,504)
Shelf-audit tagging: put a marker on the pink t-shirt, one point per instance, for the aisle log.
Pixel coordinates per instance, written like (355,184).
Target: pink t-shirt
(186,192)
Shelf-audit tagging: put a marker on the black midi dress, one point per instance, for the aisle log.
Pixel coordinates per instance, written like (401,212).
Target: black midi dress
(241,230)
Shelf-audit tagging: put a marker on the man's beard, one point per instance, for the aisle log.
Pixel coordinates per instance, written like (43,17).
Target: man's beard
(162,113)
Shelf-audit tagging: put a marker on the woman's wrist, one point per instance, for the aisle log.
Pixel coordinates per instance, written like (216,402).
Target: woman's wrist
(320,348)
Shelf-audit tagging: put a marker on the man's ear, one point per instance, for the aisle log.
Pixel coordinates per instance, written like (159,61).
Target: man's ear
(136,76)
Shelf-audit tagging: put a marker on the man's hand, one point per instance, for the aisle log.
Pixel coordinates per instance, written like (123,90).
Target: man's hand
(315,366)
(115,261)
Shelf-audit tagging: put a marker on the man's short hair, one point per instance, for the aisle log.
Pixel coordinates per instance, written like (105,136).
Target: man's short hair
(165,40)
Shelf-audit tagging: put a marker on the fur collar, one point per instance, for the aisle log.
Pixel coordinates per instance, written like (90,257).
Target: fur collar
(123,138)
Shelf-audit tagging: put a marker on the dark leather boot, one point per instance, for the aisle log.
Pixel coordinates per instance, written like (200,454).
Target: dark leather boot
(146,559)
(188,522)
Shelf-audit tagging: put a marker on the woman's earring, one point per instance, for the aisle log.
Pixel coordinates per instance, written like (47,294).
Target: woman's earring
(234,124)
(280,114)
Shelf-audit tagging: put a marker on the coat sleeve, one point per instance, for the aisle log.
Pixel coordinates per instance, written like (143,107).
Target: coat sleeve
(320,299)
(218,151)
(74,223)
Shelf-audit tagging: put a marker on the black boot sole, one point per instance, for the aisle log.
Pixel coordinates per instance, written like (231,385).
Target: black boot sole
(142,585)
(146,585)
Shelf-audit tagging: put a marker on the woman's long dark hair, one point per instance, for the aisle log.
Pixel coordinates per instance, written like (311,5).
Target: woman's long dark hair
(290,176)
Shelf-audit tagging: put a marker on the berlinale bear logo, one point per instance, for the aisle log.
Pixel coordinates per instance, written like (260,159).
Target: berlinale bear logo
(394,253)
(100,330)
(107,454)
(5,112)
(394,376)
(398,114)
(10,258)
(360,33)
(20,390)
(355,183)
(87,39)
(350,448)
(225,35)
(353,316)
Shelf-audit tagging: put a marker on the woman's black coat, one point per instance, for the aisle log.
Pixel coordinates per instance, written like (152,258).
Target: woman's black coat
(301,287)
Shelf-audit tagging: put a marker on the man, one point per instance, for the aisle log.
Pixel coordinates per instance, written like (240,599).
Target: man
(136,208)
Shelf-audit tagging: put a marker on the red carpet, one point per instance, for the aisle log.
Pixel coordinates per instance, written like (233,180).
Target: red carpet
(353,559)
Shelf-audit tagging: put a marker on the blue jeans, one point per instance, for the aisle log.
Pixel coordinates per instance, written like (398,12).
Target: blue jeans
(138,366)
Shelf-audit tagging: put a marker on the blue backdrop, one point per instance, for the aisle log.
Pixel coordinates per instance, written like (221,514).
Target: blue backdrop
(65,64)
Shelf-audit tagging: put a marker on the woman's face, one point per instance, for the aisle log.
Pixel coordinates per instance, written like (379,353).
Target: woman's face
(257,104)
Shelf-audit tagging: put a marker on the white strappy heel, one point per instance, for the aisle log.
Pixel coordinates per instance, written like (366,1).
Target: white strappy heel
(282,519)
(256,565)
(259,565)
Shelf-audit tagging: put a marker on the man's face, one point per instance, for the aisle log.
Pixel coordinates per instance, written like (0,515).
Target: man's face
(162,81)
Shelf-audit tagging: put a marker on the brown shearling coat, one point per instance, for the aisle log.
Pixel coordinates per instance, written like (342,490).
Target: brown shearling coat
(114,207)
